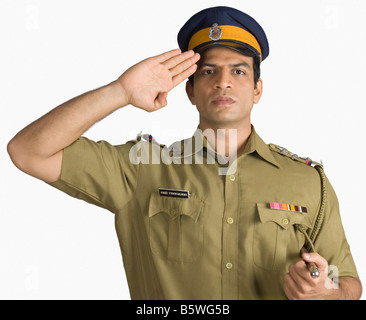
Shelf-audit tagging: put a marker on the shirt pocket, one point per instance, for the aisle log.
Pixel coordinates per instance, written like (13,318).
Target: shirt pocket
(277,243)
(176,227)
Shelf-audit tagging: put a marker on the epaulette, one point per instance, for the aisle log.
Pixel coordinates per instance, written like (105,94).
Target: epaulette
(310,238)
(175,149)
(147,137)
(283,151)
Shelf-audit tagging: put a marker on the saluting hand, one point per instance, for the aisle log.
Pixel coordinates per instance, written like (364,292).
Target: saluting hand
(146,84)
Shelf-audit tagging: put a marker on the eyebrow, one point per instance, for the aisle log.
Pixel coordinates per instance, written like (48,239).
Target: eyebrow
(241,64)
(232,65)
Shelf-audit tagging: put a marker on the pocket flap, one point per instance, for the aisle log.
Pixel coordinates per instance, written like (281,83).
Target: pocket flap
(191,206)
(283,218)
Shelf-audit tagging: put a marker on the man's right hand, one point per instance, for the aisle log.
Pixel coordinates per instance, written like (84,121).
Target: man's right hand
(38,148)
(146,84)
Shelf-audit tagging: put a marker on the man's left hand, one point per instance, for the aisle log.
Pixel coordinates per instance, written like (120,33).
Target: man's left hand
(298,283)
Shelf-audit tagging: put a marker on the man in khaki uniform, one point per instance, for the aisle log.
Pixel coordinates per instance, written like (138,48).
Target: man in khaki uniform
(218,216)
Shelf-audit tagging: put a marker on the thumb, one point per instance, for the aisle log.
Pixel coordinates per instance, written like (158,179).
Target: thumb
(161,100)
(317,259)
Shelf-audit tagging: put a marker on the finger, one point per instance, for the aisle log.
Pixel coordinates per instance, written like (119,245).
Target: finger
(298,281)
(184,65)
(184,75)
(161,58)
(299,272)
(290,287)
(177,59)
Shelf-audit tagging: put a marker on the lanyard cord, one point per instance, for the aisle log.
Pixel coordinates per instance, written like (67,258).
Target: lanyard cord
(310,239)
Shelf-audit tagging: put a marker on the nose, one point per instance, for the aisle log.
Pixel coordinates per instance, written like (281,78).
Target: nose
(223,80)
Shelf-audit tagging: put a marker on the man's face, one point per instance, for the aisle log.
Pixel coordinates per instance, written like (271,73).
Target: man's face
(224,90)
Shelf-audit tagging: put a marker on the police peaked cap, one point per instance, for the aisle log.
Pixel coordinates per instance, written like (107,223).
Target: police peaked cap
(223,26)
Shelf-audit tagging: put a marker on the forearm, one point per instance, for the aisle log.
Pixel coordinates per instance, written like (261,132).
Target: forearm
(349,289)
(66,123)
(38,148)
(299,285)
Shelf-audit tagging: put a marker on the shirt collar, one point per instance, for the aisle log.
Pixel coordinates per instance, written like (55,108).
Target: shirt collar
(256,144)
(199,142)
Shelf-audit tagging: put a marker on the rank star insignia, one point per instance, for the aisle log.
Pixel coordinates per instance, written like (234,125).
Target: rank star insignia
(215,32)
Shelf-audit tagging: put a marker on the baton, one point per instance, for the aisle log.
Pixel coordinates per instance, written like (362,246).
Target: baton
(313,269)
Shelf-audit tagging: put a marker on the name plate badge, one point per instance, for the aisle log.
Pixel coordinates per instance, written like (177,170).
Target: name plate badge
(174,193)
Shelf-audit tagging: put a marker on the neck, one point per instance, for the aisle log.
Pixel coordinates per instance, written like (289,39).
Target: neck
(227,139)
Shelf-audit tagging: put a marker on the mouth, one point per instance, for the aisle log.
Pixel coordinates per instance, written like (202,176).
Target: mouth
(223,101)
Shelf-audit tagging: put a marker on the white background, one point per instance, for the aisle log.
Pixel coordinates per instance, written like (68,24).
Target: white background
(55,247)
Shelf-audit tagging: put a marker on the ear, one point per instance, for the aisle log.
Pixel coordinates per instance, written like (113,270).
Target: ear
(258,91)
(190,92)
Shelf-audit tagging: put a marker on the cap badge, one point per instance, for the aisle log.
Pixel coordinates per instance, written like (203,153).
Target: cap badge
(215,32)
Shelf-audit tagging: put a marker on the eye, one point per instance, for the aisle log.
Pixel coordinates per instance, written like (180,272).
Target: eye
(207,71)
(239,71)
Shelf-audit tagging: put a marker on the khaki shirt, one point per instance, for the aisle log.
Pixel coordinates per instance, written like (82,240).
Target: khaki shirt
(223,241)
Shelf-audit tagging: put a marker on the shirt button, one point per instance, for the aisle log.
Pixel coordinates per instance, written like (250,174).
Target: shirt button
(229,265)
(285,221)
(232,177)
(230,220)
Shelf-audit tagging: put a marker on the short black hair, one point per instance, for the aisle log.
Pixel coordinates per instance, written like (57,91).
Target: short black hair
(256,64)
